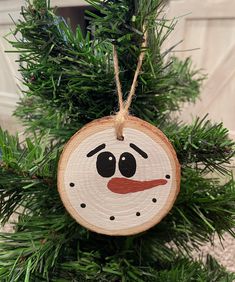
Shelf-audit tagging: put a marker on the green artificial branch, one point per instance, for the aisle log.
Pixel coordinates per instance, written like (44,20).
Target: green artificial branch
(202,145)
(70,79)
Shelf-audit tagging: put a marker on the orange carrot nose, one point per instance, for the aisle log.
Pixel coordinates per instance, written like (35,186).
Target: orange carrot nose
(124,186)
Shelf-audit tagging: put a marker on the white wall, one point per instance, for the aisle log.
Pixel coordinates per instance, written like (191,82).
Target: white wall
(209,27)
(9,76)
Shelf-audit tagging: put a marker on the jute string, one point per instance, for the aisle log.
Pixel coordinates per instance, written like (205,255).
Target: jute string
(124,106)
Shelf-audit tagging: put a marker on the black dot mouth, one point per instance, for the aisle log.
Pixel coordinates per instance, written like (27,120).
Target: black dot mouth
(112,218)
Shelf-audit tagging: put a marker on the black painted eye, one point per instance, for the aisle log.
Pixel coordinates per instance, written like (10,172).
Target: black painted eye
(127,164)
(106,164)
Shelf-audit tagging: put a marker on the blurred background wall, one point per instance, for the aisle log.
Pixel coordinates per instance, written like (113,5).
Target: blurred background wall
(10,83)
(207,28)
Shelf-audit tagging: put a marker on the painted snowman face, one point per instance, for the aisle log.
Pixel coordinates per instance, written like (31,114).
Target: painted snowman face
(118,187)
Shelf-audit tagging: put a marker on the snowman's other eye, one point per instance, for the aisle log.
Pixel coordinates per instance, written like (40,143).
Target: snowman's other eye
(127,164)
(106,164)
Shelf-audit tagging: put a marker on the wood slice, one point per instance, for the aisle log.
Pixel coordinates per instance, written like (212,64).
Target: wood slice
(118,187)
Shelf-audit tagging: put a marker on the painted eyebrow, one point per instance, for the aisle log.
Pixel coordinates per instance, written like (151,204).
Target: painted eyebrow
(96,150)
(138,150)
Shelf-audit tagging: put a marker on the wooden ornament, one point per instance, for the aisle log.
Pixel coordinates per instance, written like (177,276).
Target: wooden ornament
(118,187)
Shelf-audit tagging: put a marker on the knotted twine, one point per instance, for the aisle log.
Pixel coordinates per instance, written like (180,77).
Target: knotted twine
(124,106)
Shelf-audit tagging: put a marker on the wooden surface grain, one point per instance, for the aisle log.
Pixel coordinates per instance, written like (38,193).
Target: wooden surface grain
(97,202)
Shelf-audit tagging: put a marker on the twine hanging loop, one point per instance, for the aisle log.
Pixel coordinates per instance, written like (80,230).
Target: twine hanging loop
(124,106)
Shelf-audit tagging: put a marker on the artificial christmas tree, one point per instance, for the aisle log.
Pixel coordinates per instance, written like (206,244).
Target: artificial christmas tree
(69,81)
